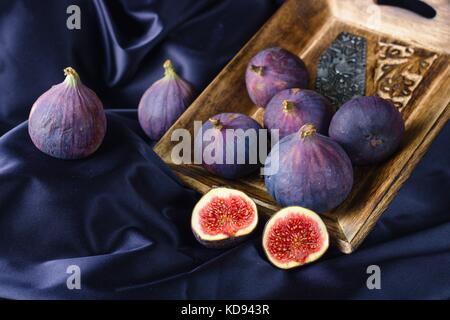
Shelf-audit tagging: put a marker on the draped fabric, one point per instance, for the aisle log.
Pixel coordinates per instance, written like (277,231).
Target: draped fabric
(122,216)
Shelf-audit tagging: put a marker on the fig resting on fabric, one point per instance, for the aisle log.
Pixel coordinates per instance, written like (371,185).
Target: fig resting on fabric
(223,217)
(294,236)
(163,103)
(68,120)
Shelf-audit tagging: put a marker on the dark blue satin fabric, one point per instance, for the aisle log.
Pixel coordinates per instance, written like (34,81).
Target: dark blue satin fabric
(122,216)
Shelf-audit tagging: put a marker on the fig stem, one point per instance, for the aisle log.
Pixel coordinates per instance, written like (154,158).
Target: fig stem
(72,77)
(287,105)
(375,142)
(307,130)
(257,69)
(215,123)
(168,69)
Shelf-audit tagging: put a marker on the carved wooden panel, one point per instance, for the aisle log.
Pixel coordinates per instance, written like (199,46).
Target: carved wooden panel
(341,69)
(399,70)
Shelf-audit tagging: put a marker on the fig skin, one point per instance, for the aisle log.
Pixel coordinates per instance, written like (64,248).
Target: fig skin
(290,109)
(67,121)
(220,244)
(164,102)
(315,253)
(370,129)
(222,122)
(314,171)
(221,240)
(271,71)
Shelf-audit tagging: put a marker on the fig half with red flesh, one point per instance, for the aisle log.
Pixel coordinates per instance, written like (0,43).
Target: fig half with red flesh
(294,236)
(223,217)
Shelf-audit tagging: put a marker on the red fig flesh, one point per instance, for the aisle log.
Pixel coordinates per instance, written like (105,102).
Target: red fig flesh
(294,236)
(223,217)
(67,121)
(164,102)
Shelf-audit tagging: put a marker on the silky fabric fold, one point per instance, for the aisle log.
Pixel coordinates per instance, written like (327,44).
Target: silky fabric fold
(122,216)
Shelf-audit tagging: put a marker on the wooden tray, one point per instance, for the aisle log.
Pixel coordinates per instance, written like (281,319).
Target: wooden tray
(416,75)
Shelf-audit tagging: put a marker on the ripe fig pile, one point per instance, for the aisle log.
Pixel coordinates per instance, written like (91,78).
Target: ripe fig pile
(313,172)
(307,171)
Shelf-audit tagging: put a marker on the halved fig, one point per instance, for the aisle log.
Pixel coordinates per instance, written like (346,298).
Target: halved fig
(223,217)
(294,236)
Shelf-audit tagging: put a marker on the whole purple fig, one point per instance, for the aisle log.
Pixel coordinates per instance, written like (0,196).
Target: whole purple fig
(370,129)
(271,71)
(67,121)
(313,171)
(290,109)
(164,102)
(228,144)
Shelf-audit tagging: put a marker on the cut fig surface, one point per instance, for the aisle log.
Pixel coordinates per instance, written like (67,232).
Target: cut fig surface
(223,217)
(294,236)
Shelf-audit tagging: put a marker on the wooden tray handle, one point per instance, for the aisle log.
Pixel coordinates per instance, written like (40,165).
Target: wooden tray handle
(418,6)
(398,22)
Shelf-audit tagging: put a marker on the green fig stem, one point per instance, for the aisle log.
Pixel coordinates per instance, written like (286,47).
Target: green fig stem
(72,77)
(307,130)
(257,69)
(287,105)
(168,69)
(215,123)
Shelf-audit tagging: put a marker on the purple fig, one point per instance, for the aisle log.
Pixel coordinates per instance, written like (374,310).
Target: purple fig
(164,102)
(370,129)
(271,71)
(290,109)
(313,171)
(229,156)
(67,121)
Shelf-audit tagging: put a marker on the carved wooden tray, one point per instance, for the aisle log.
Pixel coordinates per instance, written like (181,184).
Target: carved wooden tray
(408,62)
